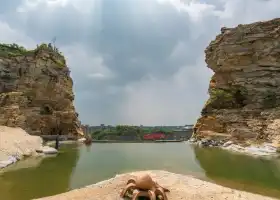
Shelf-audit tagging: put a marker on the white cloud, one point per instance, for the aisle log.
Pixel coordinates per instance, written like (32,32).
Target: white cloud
(195,9)
(10,35)
(96,75)
(85,64)
(29,5)
(172,101)
(133,61)
(83,6)
(179,99)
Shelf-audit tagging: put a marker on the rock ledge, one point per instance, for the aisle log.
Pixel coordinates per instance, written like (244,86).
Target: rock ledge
(182,188)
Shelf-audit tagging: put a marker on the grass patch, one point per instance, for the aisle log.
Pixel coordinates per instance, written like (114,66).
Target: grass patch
(14,50)
(9,50)
(234,97)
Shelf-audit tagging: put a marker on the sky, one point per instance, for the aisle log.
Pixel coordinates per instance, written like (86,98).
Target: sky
(132,61)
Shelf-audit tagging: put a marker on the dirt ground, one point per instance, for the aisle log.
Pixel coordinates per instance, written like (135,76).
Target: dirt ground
(181,188)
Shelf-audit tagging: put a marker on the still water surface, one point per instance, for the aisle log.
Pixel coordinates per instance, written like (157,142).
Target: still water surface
(78,166)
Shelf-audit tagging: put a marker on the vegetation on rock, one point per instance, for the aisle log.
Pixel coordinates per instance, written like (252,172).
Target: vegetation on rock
(232,98)
(220,98)
(270,100)
(13,50)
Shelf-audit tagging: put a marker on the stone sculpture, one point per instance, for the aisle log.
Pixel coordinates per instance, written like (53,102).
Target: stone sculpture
(144,186)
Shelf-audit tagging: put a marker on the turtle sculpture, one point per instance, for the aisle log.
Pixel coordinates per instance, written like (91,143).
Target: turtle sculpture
(144,186)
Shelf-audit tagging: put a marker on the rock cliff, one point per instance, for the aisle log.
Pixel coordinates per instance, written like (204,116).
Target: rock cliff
(244,91)
(36,91)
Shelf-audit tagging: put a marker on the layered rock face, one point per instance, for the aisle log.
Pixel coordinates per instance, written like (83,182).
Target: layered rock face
(36,91)
(244,91)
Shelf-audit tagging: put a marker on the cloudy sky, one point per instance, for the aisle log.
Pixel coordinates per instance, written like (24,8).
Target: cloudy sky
(132,61)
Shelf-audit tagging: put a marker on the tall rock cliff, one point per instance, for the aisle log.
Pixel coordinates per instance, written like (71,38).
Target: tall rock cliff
(244,91)
(36,91)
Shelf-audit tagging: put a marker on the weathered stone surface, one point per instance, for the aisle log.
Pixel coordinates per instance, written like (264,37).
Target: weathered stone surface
(15,144)
(244,102)
(47,150)
(181,187)
(10,160)
(36,91)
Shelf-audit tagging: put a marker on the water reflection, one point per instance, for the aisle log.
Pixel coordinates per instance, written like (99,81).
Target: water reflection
(240,171)
(77,166)
(51,177)
(104,161)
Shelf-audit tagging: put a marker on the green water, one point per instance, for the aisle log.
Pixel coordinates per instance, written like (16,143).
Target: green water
(78,166)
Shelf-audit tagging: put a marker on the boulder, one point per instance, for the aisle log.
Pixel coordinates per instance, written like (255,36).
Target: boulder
(17,143)
(5,163)
(228,143)
(47,150)
(82,140)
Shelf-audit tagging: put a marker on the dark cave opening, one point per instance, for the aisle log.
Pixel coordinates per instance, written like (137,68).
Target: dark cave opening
(46,110)
(240,98)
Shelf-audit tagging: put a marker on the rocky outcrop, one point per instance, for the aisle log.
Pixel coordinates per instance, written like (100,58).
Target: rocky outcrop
(36,91)
(244,103)
(16,144)
(181,188)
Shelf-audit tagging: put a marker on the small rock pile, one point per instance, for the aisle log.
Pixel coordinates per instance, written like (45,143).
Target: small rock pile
(264,149)
(210,143)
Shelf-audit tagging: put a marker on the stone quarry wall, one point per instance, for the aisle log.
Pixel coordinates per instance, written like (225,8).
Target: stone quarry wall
(244,91)
(36,91)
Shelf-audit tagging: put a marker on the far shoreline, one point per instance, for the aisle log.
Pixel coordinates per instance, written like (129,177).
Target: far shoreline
(52,142)
(264,150)
(137,141)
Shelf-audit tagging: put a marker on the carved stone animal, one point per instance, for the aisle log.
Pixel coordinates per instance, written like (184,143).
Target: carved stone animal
(144,186)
